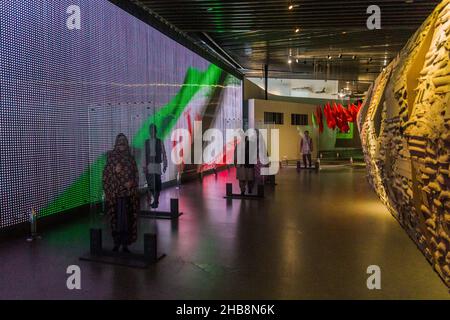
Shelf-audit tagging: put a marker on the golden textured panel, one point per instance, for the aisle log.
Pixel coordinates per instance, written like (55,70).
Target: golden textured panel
(405,131)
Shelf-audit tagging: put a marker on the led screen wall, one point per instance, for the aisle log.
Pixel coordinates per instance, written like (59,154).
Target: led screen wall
(66,94)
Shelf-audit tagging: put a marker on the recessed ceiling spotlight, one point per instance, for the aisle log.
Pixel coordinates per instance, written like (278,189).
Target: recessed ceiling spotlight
(296,60)
(297,30)
(340,56)
(289,61)
(344,32)
(354,57)
(291,7)
(329,57)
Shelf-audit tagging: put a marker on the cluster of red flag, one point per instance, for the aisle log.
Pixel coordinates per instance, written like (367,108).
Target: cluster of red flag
(338,116)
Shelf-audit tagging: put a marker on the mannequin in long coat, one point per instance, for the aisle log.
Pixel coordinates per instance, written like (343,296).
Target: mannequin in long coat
(120,183)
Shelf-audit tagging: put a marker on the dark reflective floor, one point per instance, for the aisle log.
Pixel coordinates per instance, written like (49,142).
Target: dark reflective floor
(312,237)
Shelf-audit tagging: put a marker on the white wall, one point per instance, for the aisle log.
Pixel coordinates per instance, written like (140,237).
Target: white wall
(300,87)
(289,134)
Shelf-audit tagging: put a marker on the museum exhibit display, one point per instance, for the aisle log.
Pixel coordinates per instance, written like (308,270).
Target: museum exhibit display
(67,94)
(216,159)
(338,116)
(405,132)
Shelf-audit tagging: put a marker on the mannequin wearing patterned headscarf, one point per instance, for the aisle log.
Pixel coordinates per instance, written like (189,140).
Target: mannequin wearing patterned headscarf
(120,183)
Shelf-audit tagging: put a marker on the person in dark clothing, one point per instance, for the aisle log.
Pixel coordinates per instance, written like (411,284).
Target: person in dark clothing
(120,183)
(155,155)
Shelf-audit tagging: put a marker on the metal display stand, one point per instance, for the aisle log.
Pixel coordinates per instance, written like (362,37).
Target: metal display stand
(133,260)
(231,195)
(270,181)
(173,214)
(33,227)
(315,168)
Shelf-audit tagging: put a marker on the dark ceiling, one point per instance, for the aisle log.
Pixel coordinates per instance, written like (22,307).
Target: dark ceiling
(333,41)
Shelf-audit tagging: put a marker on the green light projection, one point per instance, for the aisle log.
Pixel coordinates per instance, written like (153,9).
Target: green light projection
(347,135)
(88,188)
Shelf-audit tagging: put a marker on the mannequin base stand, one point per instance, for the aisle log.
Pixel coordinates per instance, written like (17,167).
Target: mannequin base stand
(34,237)
(173,214)
(231,195)
(270,181)
(315,168)
(132,260)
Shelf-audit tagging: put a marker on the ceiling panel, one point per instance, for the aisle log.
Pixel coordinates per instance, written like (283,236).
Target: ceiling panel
(333,41)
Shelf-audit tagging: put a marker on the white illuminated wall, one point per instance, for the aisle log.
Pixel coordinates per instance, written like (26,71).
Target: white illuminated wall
(66,94)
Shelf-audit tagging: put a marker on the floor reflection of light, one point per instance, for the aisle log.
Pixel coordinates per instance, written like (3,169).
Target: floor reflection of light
(196,238)
(213,192)
(371,207)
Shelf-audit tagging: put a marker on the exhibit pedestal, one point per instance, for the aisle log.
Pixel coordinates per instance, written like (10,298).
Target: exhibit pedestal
(173,214)
(315,168)
(230,195)
(33,227)
(133,260)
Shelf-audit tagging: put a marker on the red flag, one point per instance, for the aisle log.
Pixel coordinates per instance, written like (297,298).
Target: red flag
(319,118)
(331,120)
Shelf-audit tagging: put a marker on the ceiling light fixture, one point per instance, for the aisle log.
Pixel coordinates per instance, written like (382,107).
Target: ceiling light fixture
(289,61)
(291,7)
(297,30)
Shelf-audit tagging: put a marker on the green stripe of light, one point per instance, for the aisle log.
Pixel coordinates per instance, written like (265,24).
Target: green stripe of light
(88,187)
